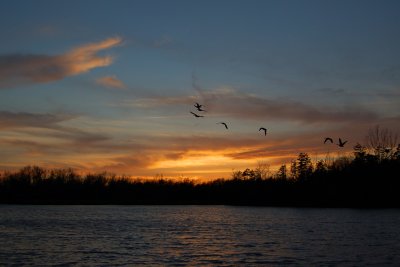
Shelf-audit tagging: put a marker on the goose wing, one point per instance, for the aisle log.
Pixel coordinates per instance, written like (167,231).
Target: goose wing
(223,123)
(196,115)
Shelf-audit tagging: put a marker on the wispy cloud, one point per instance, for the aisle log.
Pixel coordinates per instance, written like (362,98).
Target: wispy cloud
(231,103)
(152,102)
(163,41)
(20,69)
(46,30)
(111,82)
(252,106)
(25,119)
(332,91)
(51,125)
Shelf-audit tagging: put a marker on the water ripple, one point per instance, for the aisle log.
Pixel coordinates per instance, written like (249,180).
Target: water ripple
(197,236)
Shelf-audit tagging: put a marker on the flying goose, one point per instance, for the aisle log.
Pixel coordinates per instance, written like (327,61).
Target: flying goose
(328,139)
(341,144)
(223,123)
(197,105)
(264,129)
(196,115)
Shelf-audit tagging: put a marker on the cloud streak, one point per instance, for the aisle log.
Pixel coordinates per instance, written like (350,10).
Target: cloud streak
(20,69)
(226,102)
(49,126)
(230,103)
(9,120)
(111,82)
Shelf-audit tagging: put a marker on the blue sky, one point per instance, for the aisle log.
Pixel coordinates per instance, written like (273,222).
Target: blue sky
(303,69)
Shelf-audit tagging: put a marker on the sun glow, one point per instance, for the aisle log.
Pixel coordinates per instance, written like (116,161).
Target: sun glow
(200,165)
(192,161)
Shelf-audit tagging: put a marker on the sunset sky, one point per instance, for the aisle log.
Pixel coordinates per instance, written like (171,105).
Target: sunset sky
(109,85)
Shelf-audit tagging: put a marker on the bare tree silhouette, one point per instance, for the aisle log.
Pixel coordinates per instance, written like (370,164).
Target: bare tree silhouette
(381,142)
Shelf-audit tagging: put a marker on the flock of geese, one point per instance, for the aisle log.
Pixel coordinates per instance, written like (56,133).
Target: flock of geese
(340,144)
(199,107)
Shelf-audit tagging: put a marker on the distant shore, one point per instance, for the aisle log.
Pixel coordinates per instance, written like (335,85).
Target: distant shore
(364,181)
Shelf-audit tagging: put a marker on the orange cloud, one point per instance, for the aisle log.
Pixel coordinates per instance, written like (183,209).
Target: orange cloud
(22,69)
(111,81)
(194,156)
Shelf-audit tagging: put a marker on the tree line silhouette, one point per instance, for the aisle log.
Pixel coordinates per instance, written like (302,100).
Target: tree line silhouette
(369,178)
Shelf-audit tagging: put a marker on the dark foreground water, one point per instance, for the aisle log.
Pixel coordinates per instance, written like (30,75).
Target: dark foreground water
(197,235)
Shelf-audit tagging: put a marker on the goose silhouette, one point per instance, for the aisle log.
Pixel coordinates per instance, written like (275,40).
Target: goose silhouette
(341,143)
(328,139)
(196,115)
(223,123)
(263,129)
(197,105)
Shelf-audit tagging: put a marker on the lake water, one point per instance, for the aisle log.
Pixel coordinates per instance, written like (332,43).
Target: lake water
(197,236)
